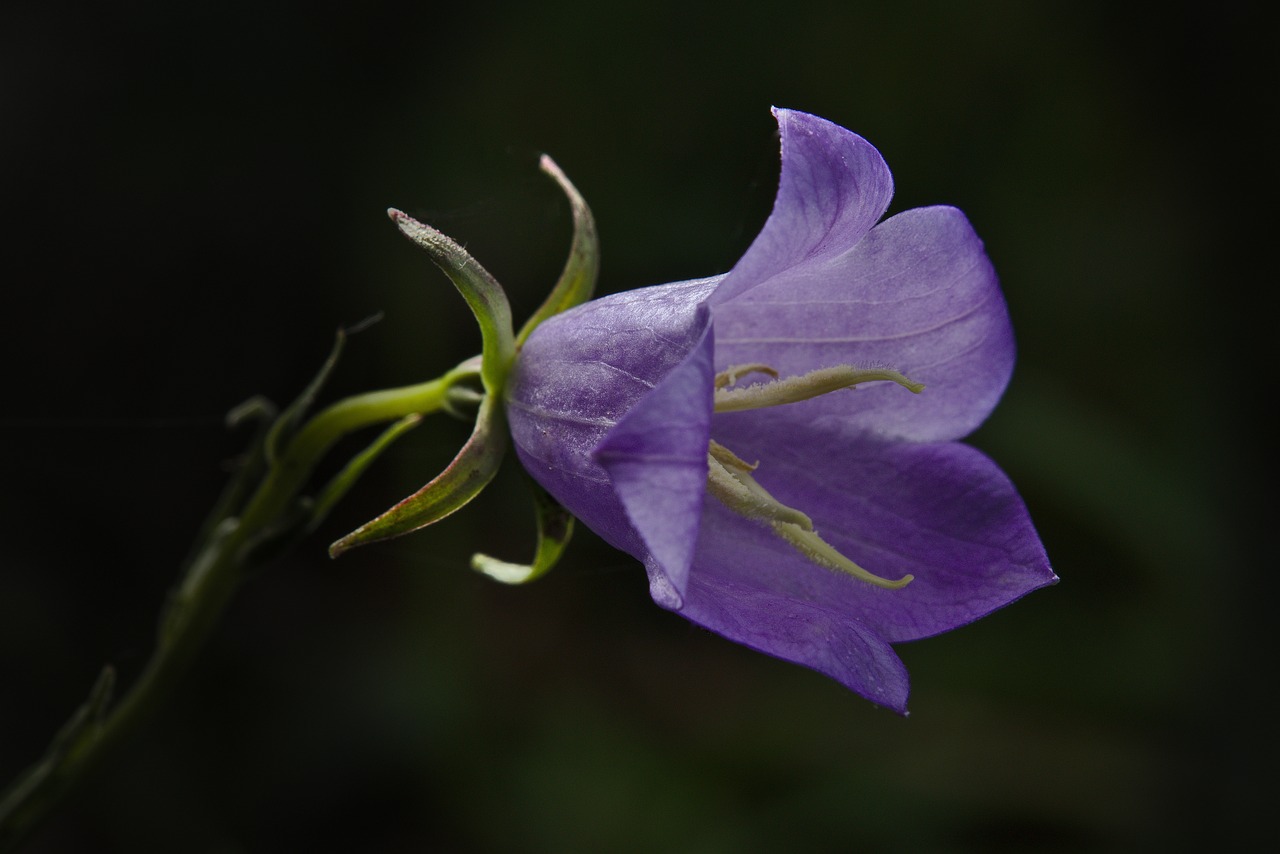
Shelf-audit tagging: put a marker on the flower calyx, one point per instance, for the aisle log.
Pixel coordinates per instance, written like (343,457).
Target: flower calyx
(478,461)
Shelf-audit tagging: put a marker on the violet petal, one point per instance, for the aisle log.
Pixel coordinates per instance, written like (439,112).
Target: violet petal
(730,603)
(578,374)
(834,186)
(656,458)
(917,294)
(942,512)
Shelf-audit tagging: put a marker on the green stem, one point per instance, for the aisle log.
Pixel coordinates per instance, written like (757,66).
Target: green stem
(319,434)
(214,573)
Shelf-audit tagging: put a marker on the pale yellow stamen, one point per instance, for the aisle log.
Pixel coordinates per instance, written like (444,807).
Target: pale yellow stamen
(729,476)
(728,458)
(822,553)
(730,481)
(802,387)
(729,376)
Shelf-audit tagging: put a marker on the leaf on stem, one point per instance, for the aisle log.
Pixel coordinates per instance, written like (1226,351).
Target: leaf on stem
(287,424)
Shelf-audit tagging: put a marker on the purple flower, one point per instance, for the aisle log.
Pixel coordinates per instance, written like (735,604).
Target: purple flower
(712,429)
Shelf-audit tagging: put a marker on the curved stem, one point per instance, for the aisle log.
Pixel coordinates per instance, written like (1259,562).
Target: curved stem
(196,603)
(200,599)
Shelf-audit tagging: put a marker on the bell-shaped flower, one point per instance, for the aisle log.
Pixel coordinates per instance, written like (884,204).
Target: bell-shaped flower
(777,444)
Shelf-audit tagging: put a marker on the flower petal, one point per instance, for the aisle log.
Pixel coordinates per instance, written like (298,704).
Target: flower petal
(578,374)
(657,459)
(727,601)
(918,294)
(942,512)
(834,186)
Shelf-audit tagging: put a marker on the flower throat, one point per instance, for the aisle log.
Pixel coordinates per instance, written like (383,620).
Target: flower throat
(730,479)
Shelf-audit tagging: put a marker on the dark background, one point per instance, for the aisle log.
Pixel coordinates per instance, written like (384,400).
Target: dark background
(192,200)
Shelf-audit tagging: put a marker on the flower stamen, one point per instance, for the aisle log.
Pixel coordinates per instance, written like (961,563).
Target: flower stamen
(798,388)
(819,551)
(729,376)
(729,480)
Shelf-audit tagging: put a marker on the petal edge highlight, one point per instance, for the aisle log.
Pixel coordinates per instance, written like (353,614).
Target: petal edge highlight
(833,188)
(656,458)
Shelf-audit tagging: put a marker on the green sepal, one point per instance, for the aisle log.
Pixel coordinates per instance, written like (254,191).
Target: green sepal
(464,478)
(478,461)
(483,294)
(351,472)
(307,513)
(555,527)
(578,279)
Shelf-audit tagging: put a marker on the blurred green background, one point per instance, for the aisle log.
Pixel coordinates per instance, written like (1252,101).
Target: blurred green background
(193,201)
